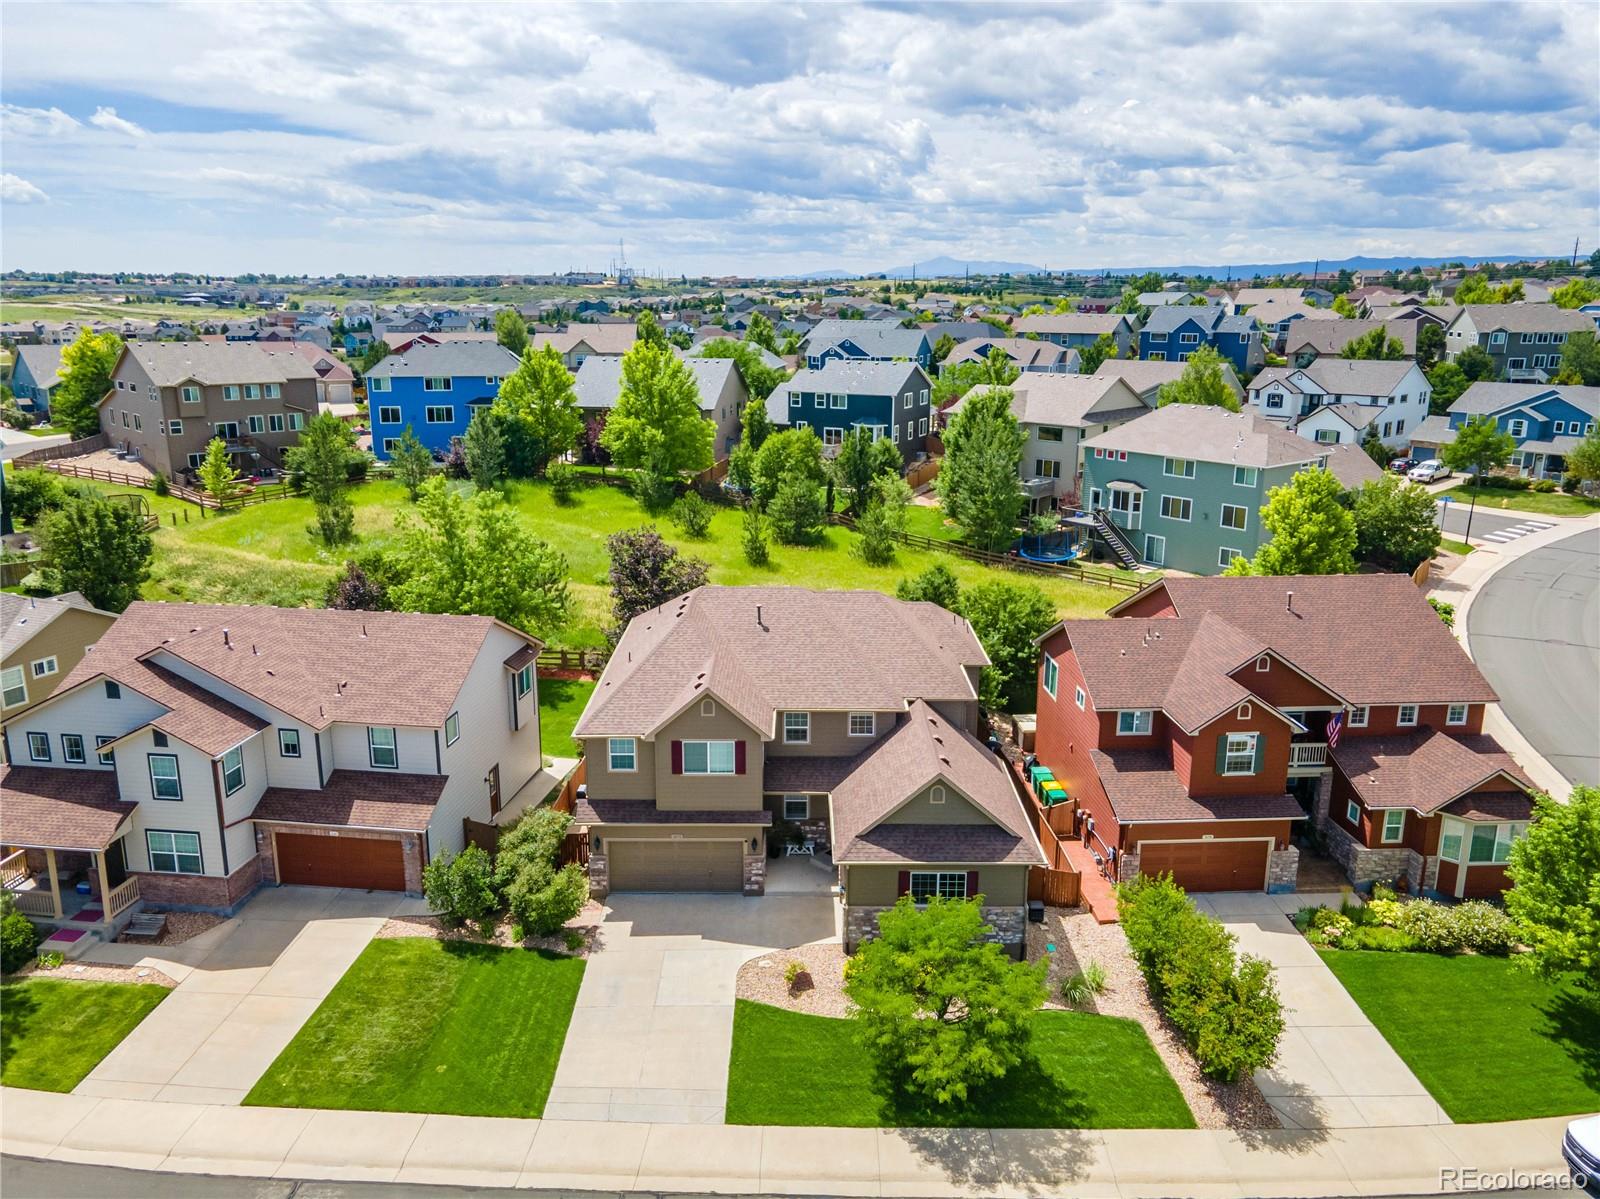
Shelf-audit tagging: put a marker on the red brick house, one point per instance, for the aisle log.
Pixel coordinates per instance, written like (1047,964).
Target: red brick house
(1191,730)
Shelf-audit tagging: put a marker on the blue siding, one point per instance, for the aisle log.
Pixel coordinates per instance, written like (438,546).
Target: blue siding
(1540,415)
(408,395)
(1235,347)
(25,387)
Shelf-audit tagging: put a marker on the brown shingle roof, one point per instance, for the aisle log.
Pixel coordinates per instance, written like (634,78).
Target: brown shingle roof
(1424,771)
(1143,787)
(943,844)
(644,811)
(357,799)
(804,773)
(56,808)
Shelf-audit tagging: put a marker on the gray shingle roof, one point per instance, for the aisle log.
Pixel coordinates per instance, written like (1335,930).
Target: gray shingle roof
(44,363)
(1024,351)
(1329,337)
(845,378)
(1341,376)
(599,380)
(1144,376)
(1527,318)
(1483,398)
(1209,434)
(1066,323)
(880,339)
(169,363)
(482,359)
(22,616)
(1065,399)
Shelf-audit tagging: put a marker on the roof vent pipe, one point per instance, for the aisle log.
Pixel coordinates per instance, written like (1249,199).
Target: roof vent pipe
(1288,604)
(226,640)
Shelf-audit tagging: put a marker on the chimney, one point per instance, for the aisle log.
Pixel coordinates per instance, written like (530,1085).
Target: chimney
(1288,604)
(226,640)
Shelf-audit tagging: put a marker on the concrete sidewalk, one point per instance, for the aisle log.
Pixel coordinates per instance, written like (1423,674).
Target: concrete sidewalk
(611,1156)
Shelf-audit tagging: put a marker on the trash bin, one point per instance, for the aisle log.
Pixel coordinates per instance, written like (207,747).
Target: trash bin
(1035,911)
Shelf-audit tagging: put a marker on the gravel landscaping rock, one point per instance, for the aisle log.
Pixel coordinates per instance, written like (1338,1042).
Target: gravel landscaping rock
(94,972)
(181,927)
(761,979)
(586,924)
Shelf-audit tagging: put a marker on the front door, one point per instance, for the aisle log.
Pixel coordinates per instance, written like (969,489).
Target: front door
(116,865)
(494,788)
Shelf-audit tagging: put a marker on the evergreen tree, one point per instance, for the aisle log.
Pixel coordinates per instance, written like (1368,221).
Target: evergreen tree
(978,483)
(412,463)
(485,447)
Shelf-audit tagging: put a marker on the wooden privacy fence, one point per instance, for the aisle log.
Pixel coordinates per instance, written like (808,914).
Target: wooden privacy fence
(567,800)
(586,660)
(247,497)
(70,449)
(922,472)
(1057,882)
(482,834)
(574,848)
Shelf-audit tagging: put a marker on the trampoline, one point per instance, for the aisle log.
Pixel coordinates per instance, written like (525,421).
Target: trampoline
(1058,546)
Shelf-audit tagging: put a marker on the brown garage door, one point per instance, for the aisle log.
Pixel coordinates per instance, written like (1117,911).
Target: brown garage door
(361,863)
(1207,865)
(677,865)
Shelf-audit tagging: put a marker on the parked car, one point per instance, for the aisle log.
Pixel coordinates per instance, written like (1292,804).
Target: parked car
(1401,465)
(1581,1149)
(1427,472)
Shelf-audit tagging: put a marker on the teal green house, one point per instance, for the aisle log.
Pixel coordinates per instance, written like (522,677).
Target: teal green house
(1185,484)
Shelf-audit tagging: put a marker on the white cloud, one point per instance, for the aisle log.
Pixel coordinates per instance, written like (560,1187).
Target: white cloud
(16,190)
(107,119)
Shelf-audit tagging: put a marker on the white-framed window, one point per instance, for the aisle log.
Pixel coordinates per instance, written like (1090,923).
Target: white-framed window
(388,414)
(173,852)
(439,414)
(106,757)
(1352,813)
(1078,697)
(838,401)
(524,681)
(1517,427)
(138,423)
(275,422)
(1052,676)
(1134,723)
(378,383)
(794,399)
(288,743)
(44,667)
(230,391)
(1492,842)
(297,421)
(1239,755)
(622,754)
(1234,516)
(708,757)
(935,794)
(909,398)
(821,400)
(1394,825)
(797,728)
(436,383)
(1246,476)
(273,391)
(39,747)
(1451,835)
(1188,339)
(1178,468)
(391,445)
(1176,507)
(232,770)
(1358,717)
(72,748)
(833,436)
(1157,336)
(255,424)
(491,380)
(164,780)
(1456,714)
(863,724)
(922,395)
(708,707)
(13,686)
(1407,716)
(452,728)
(1157,355)
(1497,339)
(1046,468)
(1155,549)
(1226,555)
(175,427)
(796,807)
(382,751)
(189,395)
(941,884)
(922,427)
(1327,437)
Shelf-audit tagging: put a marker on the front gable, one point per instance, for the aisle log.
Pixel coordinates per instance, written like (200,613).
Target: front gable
(1283,684)
(920,808)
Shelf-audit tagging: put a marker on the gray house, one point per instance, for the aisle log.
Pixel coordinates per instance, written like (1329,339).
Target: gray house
(1079,329)
(35,377)
(723,395)
(1524,340)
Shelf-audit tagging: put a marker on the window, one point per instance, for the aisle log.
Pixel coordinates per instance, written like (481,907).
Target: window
(1046,468)
(288,743)
(379,383)
(452,728)
(1358,717)
(1049,433)
(39,747)
(1133,724)
(945,884)
(1239,754)
(1274,401)
(381,750)
(833,437)
(1234,516)
(821,400)
(72,748)
(1157,355)
(796,807)
(189,395)
(1352,813)
(439,414)
(232,770)
(1052,676)
(164,781)
(524,681)
(173,853)
(106,757)
(794,399)
(1245,476)
(863,724)
(708,707)
(230,391)
(1078,697)
(297,420)
(622,754)
(1155,549)
(1394,825)
(923,395)
(1327,437)
(228,430)
(1497,339)
(708,757)
(1517,427)
(1492,842)
(436,383)
(1157,336)
(138,423)
(252,391)
(391,445)
(14,684)
(922,427)
(910,398)
(839,401)
(1175,507)
(1178,468)
(159,739)
(936,795)
(256,424)
(175,427)
(491,380)
(1450,838)
(273,391)
(796,728)
(1188,339)
(275,422)
(1408,715)
(1456,714)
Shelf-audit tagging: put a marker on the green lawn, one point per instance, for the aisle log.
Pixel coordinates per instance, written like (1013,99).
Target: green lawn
(1454,547)
(791,1068)
(418,1025)
(53,1032)
(1489,1040)
(1546,503)
(560,704)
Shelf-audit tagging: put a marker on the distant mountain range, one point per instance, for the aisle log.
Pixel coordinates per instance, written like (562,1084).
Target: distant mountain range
(945,267)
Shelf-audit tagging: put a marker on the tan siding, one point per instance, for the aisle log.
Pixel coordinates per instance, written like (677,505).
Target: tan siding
(830,736)
(921,810)
(605,783)
(65,639)
(719,793)
(414,746)
(879,886)
(85,711)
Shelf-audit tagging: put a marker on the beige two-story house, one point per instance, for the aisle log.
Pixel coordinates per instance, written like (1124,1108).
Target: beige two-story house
(845,720)
(41,640)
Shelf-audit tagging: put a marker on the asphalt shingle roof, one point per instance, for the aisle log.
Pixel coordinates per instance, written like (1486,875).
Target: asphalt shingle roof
(1143,787)
(598,381)
(1425,770)
(1069,323)
(357,799)
(484,359)
(1483,398)
(1040,399)
(1209,434)
(1527,318)
(61,808)
(169,363)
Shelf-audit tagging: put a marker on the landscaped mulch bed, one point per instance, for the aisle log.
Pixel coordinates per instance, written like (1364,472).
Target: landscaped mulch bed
(183,926)
(96,972)
(761,979)
(1079,939)
(586,923)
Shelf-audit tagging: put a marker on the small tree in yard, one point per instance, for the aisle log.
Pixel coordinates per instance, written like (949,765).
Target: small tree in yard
(645,573)
(412,463)
(1313,533)
(1556,897)
(942,1011)
(753,537)
(883,521)
(485,445)
(1202,382)
(217,475)
(861,461)
(461,888)
(98,547)
(1374,448)
(1007,617)
(692,515)
(797,512)
(321,461)
(936,585)
(1479,447)
(356,590)
(1396,523)
(978,483)
(657,427)
(1376,343)
(1583,464)
(540,896)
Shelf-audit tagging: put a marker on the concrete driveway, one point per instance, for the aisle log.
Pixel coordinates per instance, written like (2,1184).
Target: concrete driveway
(653,1025)
(244,989)
(1334,1069)
(14,442)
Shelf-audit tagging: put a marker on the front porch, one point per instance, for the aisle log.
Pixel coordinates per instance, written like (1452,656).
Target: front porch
(78,891)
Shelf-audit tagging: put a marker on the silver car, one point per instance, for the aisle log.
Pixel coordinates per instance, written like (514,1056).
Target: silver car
(1427,472)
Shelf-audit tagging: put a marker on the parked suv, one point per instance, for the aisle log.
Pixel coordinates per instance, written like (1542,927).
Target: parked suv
(1427,472)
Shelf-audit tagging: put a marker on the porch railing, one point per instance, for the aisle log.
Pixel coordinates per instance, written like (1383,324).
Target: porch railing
(36,903)
(122,897)
(14,869)
(1308,753)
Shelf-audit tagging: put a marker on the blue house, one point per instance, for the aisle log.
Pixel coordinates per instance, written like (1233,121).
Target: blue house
(434,389)
(1547,422)
(356,341)
(866,341)
(890,398)
(1174,332)
(35,377)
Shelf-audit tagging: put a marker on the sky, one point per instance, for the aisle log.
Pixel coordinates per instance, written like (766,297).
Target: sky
(786,138)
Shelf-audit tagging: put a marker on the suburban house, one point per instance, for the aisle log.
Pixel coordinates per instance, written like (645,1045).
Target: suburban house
(848,718)
(1027,355)
(200,751)
(891,398)
(865,341)
(41,640)
(35,375)
(1247,298)
(335,380)
(722,392)
(1547,422)
(434,389)
(581,341)
(1172,334)
(1075,330)
(1183,486)
(1277,317)
(170,399)
(1308,341)
(1524,340)
(1391,397)
(1203,722)
(1056,413)
(1147,378)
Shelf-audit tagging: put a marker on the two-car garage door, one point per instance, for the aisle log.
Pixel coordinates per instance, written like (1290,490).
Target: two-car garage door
(676,865)
(360,863)
(1208,865)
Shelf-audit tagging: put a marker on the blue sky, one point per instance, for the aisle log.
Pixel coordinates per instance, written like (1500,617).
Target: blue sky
(510,138)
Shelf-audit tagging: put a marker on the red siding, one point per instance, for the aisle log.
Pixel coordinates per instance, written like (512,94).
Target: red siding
(1065,735)
(1486,882)
(1278,830)
(1282,687)
(1155,602)
(1384,721)
(1109,738)
(1200,771)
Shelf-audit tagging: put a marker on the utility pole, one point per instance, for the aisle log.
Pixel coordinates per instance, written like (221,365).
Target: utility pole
(1575,253)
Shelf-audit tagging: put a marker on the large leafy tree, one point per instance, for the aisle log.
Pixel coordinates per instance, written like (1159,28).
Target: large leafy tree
(1343,306)
(657,427)
(1396,524)
(978,483)
(1477,365)
(953,382)
(1476,289)
(1480,447)
(374,354)
(648,330)
(1576,293)
(645,573)
(412,463)
(538,406)
(861,461)
(1430,343)
(1446,382)
(86,367)
(1580,360)
(1202,382)
(98,547)
(1007,617)
(322,461)
(1099,350)
(790,452)
(1313,533)
(511,331)
(1556,897)
(760,332)
(474,557)
(1374,344)
(941,1010)
(759,378)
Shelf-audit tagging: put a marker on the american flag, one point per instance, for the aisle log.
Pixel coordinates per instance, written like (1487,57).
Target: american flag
(1335,723)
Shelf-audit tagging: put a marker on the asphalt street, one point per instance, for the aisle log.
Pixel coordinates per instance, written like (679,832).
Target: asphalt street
(1534,629)
(14,442)
(1489,518)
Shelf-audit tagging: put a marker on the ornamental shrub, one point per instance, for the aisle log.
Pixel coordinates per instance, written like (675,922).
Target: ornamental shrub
(1431,924)
(18,937)
(1483,928)
(1379,937)
(541,910)
(461,888)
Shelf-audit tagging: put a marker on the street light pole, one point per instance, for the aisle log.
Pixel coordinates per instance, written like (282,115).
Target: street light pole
(1471,508)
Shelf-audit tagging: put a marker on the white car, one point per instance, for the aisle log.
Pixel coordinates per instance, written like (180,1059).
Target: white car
(1427,472)
(1581,1148)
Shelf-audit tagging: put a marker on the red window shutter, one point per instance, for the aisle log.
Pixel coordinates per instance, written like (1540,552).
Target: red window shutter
(972,883)
(903,886)
(677,757)
(738,757)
